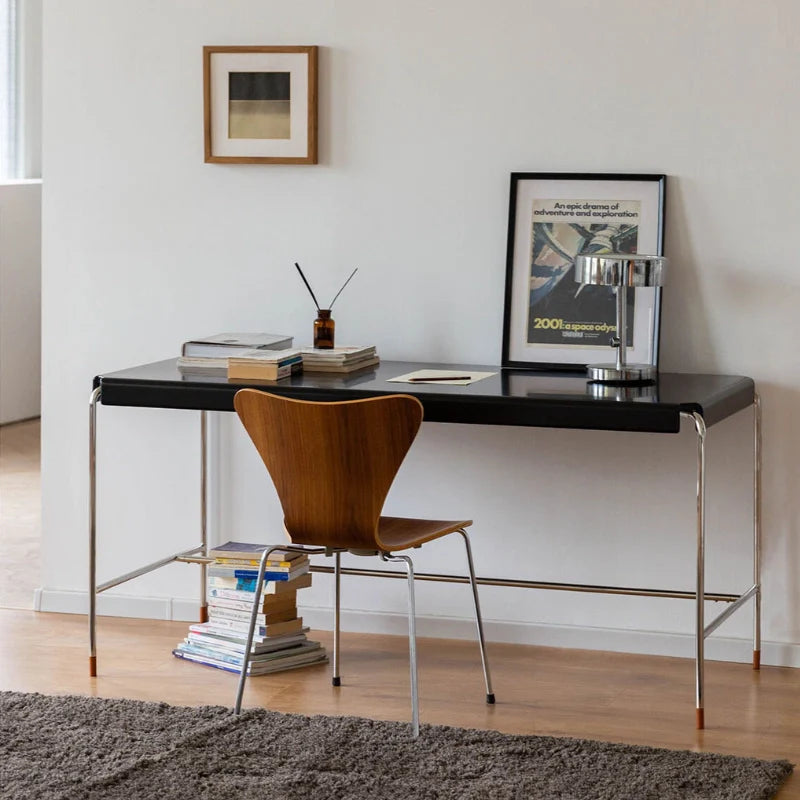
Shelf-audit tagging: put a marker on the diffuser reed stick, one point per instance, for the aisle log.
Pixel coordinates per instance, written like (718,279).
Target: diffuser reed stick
(311,291)
(343,285)
(324,326)
(308,285)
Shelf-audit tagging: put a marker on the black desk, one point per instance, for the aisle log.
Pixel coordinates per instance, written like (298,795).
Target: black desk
(507,398)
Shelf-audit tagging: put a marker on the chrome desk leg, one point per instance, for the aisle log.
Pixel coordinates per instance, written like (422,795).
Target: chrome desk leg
(412,639)
(257,598)
(481,641)
(336,680)
(93,400)
(757,531)
(699,635)
(203,511)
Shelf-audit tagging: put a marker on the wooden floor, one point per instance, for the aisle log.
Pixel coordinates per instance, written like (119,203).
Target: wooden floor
(547,691)
(614,697)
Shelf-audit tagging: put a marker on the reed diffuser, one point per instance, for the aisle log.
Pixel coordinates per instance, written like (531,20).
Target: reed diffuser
(324,326)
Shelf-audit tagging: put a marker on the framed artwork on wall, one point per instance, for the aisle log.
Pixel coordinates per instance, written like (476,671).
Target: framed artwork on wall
(550,322)
(260,104)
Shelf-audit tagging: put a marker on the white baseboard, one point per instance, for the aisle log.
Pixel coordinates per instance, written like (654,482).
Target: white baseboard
(117,605)
(616,640)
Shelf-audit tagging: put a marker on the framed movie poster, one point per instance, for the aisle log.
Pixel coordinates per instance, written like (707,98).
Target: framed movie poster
(550,321)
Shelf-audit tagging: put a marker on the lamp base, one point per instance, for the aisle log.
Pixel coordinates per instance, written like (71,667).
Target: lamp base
(622,391)
(630,373)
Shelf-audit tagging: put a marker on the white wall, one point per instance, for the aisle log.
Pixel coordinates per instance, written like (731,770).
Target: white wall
(20,294)
(425,110)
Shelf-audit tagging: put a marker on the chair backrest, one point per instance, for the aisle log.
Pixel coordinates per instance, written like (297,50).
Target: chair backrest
(332,463)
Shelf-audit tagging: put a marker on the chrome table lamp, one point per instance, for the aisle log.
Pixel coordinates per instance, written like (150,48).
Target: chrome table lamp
(620,271)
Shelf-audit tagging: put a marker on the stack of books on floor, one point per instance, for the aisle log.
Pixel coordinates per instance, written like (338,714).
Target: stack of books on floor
(339,359)
(279,640)
(210,354)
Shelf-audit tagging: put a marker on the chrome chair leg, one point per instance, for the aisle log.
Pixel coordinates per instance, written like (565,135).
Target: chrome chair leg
(412,639)
(257,595)
(757,531)
(94,398)
(204,514)
(700,429)
(337,573)
(481,641)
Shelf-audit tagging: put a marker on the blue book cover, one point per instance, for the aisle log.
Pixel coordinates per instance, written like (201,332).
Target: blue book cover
(252,575)
(196,660)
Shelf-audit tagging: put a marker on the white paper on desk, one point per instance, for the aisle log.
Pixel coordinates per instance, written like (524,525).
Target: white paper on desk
(436,373)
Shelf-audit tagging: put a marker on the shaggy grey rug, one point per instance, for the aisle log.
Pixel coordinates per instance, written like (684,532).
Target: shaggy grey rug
(81,748)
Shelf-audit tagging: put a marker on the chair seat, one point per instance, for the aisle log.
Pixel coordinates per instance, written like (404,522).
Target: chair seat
(399,533)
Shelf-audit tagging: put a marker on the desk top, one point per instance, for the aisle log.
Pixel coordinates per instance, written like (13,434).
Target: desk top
(511,397)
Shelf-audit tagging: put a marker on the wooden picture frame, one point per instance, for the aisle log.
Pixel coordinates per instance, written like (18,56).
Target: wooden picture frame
(260,104)
(549,321)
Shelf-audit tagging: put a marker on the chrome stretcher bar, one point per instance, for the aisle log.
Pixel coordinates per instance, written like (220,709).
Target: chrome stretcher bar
(530,399)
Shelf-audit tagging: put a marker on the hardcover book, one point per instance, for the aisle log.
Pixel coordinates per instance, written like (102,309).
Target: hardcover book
(224,345)
(249,369)
(247,549)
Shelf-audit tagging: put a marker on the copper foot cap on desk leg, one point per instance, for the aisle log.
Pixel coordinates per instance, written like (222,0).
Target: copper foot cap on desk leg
(701,722)
(756,659)
(92,666)
(203,613)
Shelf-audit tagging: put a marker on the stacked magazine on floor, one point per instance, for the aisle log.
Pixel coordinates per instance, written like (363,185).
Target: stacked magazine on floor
(279,640)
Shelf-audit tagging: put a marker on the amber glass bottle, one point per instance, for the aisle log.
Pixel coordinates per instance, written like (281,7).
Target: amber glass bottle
(323,329)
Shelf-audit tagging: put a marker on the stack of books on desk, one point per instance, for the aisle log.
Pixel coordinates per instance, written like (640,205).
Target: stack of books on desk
(210,354)
(339,359)
(265,365)
(279,640)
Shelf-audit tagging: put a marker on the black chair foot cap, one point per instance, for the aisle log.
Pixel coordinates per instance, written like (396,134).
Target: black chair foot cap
(337,681)
(490,699)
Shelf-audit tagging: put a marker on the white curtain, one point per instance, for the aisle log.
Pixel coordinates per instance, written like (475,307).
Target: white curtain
(9,162)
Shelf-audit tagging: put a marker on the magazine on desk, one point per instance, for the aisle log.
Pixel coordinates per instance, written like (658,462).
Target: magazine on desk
(223,345)
(339,359)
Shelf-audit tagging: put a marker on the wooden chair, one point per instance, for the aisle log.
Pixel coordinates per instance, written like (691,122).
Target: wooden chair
(332,465)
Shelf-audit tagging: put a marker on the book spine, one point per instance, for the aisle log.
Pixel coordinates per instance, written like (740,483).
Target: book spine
(218,615)
(233,584)
(204,640)
(236,645)
(268,588)
(207,662)
(247,574)
(275,629)
(264,363)
(252,574)
(210,629)
(247,551)
(235,598)
(252,562)
(259,371)
(215,653)
(221,612)
(291,650)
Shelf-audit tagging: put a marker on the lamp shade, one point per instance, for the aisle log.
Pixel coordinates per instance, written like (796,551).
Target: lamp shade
(620,269)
